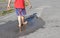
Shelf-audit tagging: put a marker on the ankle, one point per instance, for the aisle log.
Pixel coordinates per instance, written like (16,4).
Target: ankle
(25,22)
(19,25)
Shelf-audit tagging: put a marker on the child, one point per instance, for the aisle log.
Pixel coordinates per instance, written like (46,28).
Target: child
(20,10)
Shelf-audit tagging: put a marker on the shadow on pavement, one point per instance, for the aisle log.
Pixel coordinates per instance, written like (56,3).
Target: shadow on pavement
(9,29)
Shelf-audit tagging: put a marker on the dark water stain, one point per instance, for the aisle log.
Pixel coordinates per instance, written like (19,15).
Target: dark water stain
(10,29)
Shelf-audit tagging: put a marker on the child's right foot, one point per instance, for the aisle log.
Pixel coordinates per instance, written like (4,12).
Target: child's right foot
(20,28)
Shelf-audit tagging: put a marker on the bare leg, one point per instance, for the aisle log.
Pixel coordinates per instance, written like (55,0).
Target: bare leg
(19,21)
(23,21)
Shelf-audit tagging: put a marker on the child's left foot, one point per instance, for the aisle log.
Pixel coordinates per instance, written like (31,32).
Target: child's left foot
(25,23)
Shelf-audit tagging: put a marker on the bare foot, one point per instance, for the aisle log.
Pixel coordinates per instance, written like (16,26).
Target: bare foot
(20,28)
(24,25)
(25,22)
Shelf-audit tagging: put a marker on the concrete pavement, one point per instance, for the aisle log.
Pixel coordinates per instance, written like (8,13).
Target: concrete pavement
(46,26)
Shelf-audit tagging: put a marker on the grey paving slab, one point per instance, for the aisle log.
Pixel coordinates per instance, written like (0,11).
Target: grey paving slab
(46,26)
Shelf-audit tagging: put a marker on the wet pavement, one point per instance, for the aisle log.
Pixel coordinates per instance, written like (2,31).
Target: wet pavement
(43,21)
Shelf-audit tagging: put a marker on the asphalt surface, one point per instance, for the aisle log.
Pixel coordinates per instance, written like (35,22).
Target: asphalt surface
(43,21)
